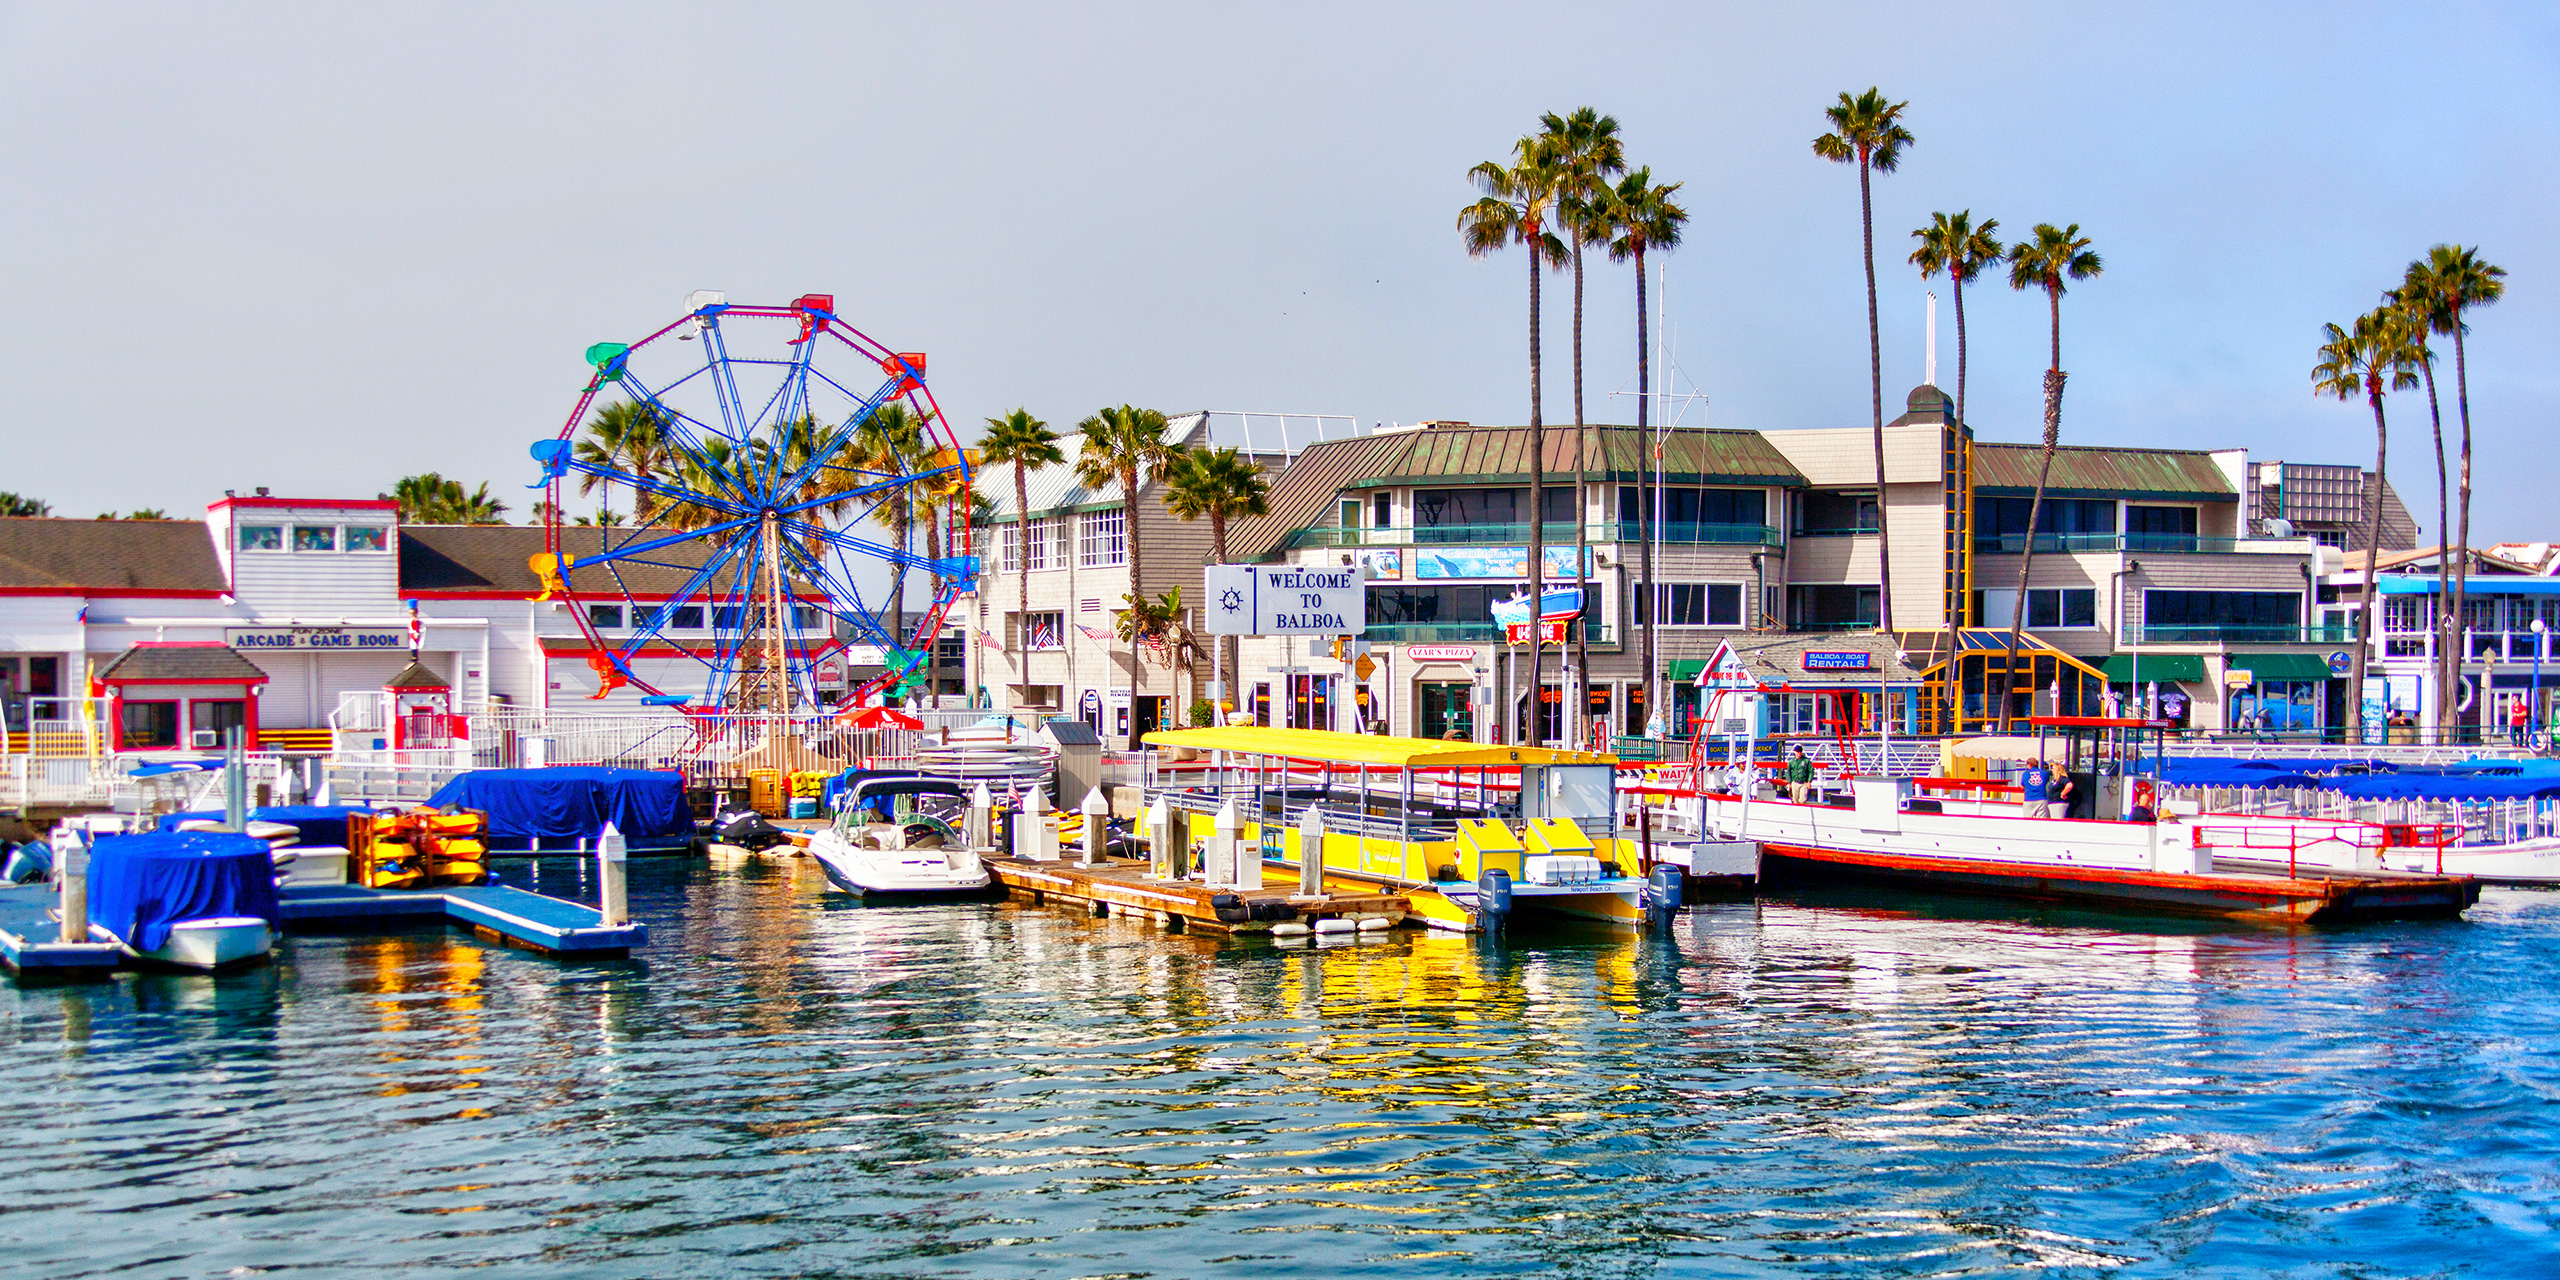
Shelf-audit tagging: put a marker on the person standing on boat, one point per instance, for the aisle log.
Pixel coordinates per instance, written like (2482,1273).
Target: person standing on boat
(2060,794)
(1799,775)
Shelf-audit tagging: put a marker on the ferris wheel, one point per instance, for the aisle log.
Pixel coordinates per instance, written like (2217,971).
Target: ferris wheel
(790,479)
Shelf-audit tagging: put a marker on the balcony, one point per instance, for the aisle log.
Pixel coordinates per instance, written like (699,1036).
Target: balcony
(2236,633)
(1456,633)
(1514,535)
(2010,544)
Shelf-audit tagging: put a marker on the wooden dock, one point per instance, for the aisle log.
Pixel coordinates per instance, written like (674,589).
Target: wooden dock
(1123,887)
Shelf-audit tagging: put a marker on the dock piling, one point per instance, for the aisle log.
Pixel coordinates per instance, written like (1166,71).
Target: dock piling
(1311,853)
(1039,834)
(71,861)
(1247,867)
(613,854)
(1097,820)
(980,834)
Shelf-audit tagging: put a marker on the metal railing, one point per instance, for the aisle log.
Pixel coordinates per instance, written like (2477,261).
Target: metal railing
(2243,633)
(2139,543)
(1558,533)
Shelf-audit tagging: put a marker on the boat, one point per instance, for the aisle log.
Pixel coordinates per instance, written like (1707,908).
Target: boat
(2497,821)
(187,899)
(1471,835)
(899,836)
(2123,845)
(208,943)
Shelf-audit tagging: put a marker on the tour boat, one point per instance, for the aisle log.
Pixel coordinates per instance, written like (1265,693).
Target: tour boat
(914,850)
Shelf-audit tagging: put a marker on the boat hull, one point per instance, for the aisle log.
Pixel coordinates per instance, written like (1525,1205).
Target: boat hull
(220,942)
(2309,900)
(2532,862)
(894,874)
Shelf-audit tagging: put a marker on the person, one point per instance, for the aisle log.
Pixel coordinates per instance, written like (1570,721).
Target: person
(2519,722)
(2058,797)
(1799,775)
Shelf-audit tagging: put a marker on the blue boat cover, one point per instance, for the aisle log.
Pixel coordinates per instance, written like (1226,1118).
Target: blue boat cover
(140,885)
(2442,787)
(2192,772)
(319,824)
(566,803)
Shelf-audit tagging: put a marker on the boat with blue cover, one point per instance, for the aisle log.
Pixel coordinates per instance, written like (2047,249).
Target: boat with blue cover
(188,899)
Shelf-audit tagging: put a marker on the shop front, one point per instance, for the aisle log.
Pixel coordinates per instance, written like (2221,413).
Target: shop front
(181,695)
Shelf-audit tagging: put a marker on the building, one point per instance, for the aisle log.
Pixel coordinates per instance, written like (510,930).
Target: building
(2501,643)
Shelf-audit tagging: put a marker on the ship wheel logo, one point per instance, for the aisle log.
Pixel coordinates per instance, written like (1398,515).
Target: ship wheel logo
(1232,601)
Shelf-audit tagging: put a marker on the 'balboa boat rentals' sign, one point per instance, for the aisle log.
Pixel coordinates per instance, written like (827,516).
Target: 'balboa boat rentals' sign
(1283,600)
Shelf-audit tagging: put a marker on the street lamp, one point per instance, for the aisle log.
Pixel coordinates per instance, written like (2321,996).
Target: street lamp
(2533,706)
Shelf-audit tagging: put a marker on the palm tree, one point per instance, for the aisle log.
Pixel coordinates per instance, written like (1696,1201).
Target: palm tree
(12,504)
(1585,152)
(1951,243)
(1517,204)
(1223,485)
(1024,443)
(2415,298)
(2047,262)
(2456,280)
(2383,344)
(1125,446)
(627,436)
(1867,130)
(432,499)
(889,443)
(1642,217)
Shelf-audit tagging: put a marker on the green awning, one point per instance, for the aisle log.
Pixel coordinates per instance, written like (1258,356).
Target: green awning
(2167,668)
(2281,666)
(1687,668)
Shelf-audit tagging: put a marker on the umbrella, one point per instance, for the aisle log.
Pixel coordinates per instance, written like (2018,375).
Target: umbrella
(884,718)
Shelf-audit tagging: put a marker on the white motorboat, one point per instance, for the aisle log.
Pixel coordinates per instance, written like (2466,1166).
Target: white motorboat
(913,849)
(215,942)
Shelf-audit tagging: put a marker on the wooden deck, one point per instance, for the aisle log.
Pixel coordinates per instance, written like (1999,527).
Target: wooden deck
(1122,887)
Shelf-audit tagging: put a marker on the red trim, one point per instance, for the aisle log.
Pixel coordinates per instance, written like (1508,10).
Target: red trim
(707,649)
(115,593)
(114,681)
(2252,888)
(324,504)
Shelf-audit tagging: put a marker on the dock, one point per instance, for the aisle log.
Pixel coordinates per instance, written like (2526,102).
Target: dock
(1120,886)
(31,939)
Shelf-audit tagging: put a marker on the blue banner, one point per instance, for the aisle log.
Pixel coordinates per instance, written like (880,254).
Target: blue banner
(1491,562)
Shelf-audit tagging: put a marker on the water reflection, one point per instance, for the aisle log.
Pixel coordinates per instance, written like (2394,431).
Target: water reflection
(792,1084)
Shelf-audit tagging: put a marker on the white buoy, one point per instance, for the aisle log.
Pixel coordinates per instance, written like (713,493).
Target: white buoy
(1335,924)
(1367,923)
(1311,853)
(71,860)
(1291,929)
(612,854)
(1097,820)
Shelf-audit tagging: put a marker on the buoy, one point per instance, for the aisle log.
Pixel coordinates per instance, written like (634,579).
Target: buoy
(1291,929)
(1366,923)
(1334,924)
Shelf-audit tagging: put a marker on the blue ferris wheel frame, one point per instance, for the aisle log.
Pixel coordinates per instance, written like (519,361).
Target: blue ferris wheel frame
(729,566)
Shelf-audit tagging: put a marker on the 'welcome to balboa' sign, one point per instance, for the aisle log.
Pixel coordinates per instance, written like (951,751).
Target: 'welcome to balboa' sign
(1283,600)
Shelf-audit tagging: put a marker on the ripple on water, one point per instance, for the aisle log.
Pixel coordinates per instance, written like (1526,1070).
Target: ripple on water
(1823,1086)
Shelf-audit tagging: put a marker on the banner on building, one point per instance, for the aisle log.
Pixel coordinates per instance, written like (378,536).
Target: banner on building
(1492,562)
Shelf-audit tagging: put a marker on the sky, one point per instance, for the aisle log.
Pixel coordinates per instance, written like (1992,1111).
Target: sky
(320,247)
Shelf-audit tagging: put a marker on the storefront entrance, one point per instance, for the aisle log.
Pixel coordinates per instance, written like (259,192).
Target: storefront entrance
(1444,709)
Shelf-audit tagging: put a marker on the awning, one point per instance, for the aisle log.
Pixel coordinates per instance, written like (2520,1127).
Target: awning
(2281,666)
(1365,748)
(2167,668)
(1687,668)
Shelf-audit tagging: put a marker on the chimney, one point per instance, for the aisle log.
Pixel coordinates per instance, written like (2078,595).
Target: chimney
(262,491)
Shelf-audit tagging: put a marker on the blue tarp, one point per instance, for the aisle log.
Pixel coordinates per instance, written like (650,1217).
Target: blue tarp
(2316,766)
(319,824)
(140,885)
(569,803)
(2231,773)
(2441,787)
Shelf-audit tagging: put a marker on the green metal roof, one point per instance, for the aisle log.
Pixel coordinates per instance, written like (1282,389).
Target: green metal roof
(2180,475)
(2282,666)
(2167,668)
(1500,455)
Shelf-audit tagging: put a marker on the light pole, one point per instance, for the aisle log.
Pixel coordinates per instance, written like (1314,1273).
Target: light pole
(2533,706)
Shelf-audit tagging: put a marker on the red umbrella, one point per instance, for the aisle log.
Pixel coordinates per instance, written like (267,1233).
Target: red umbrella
(884,718)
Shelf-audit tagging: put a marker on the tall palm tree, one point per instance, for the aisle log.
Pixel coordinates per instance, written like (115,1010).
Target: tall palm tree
(2416,299)
(1867,130)
(1519,202)
(1642,218)
(1223,485)
(1024,443)
(1951,243)
(2458,279)
(1585,152)
(1125,446)
(2382,345)
(2048,262)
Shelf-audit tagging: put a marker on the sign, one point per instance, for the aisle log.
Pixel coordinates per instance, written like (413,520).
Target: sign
(1119,697)
(1283,600)
(1518,633)
(2239,678)
(317,639)
(1726,670)
(830,672)
(1838,660)
(1383,565)
(2341,662)
(1492,562)
(1440,652)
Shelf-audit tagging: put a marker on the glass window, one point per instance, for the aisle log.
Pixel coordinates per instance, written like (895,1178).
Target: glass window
(1831,607)
(1681,604)
(367,537)
(261,537)
(149,724)
(1044,544)
(1382,510)
(2000,524)
(2063,607)
(1836,511)
(686,617)
(808,617)
(1103,538)
(727,617)
(315,537)
(604,615)
(1009,543)
(1044,630)
(1724,604)
(1683,507)
(1434,508)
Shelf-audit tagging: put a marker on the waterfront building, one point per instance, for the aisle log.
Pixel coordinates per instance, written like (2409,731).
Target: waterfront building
(2504,642)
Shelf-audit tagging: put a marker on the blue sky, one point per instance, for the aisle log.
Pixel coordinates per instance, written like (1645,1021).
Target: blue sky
(319,248)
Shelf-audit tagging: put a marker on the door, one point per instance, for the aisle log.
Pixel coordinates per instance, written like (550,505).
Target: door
(1150,716)
(1445,710)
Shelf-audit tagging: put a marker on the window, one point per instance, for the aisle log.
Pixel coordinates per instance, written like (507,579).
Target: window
(1682,508)
(261,537)
(727,617)
(2062,607)
(685,617)
(1382,511)
(1347,514)
(219,715)
(808,617)
(604,615)
(1831,608)
(1705,604)
(1102,538)
(1441,508)
(367,537)
(1043,630)
(2160,528)
(2221,615)
(1009,548)
(315,537)
(1836,511)
(2000,524)
(144,725)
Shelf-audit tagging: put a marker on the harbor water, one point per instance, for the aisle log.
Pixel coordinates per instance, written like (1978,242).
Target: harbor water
(786,1084)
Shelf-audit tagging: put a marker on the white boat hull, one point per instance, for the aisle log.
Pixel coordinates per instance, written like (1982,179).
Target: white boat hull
(2525,862)
(897,872)
(217,942)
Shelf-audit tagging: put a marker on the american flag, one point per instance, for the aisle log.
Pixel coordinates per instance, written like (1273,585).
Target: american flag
(1095,633)
(988,639)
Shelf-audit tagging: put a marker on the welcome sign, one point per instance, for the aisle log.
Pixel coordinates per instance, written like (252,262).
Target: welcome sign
(1284,600)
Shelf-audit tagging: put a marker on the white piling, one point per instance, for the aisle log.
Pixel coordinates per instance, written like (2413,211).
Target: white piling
(612,855)
(1097,824)
(1311,853)
(71,862)
(1038,828)
(1163,854)
(981,832)
(1246,863)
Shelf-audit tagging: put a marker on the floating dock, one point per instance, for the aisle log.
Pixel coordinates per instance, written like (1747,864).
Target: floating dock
(30,937)
(1123,887)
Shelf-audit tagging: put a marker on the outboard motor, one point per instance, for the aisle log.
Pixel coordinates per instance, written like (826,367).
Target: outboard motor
(737,824)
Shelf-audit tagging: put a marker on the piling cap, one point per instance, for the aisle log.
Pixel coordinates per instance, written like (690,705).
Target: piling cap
(609,842)
(1228,818)
(1159,812)
(1094,803)
(980,799)
(1312,821)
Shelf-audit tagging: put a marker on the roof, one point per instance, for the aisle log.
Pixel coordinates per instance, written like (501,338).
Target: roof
(481,559)
(2085,471)
(1365,748)
(1778,658)
(1305,491)
(2354,561)
(2165,668)
(1500,455)
(1056,489)
(174,661)
(103,557)
(416,676)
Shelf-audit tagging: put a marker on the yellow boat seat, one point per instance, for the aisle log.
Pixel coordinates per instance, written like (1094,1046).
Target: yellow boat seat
(1559,835)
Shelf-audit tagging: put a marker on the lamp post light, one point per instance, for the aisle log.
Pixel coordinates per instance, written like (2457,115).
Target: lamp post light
(2533,706)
